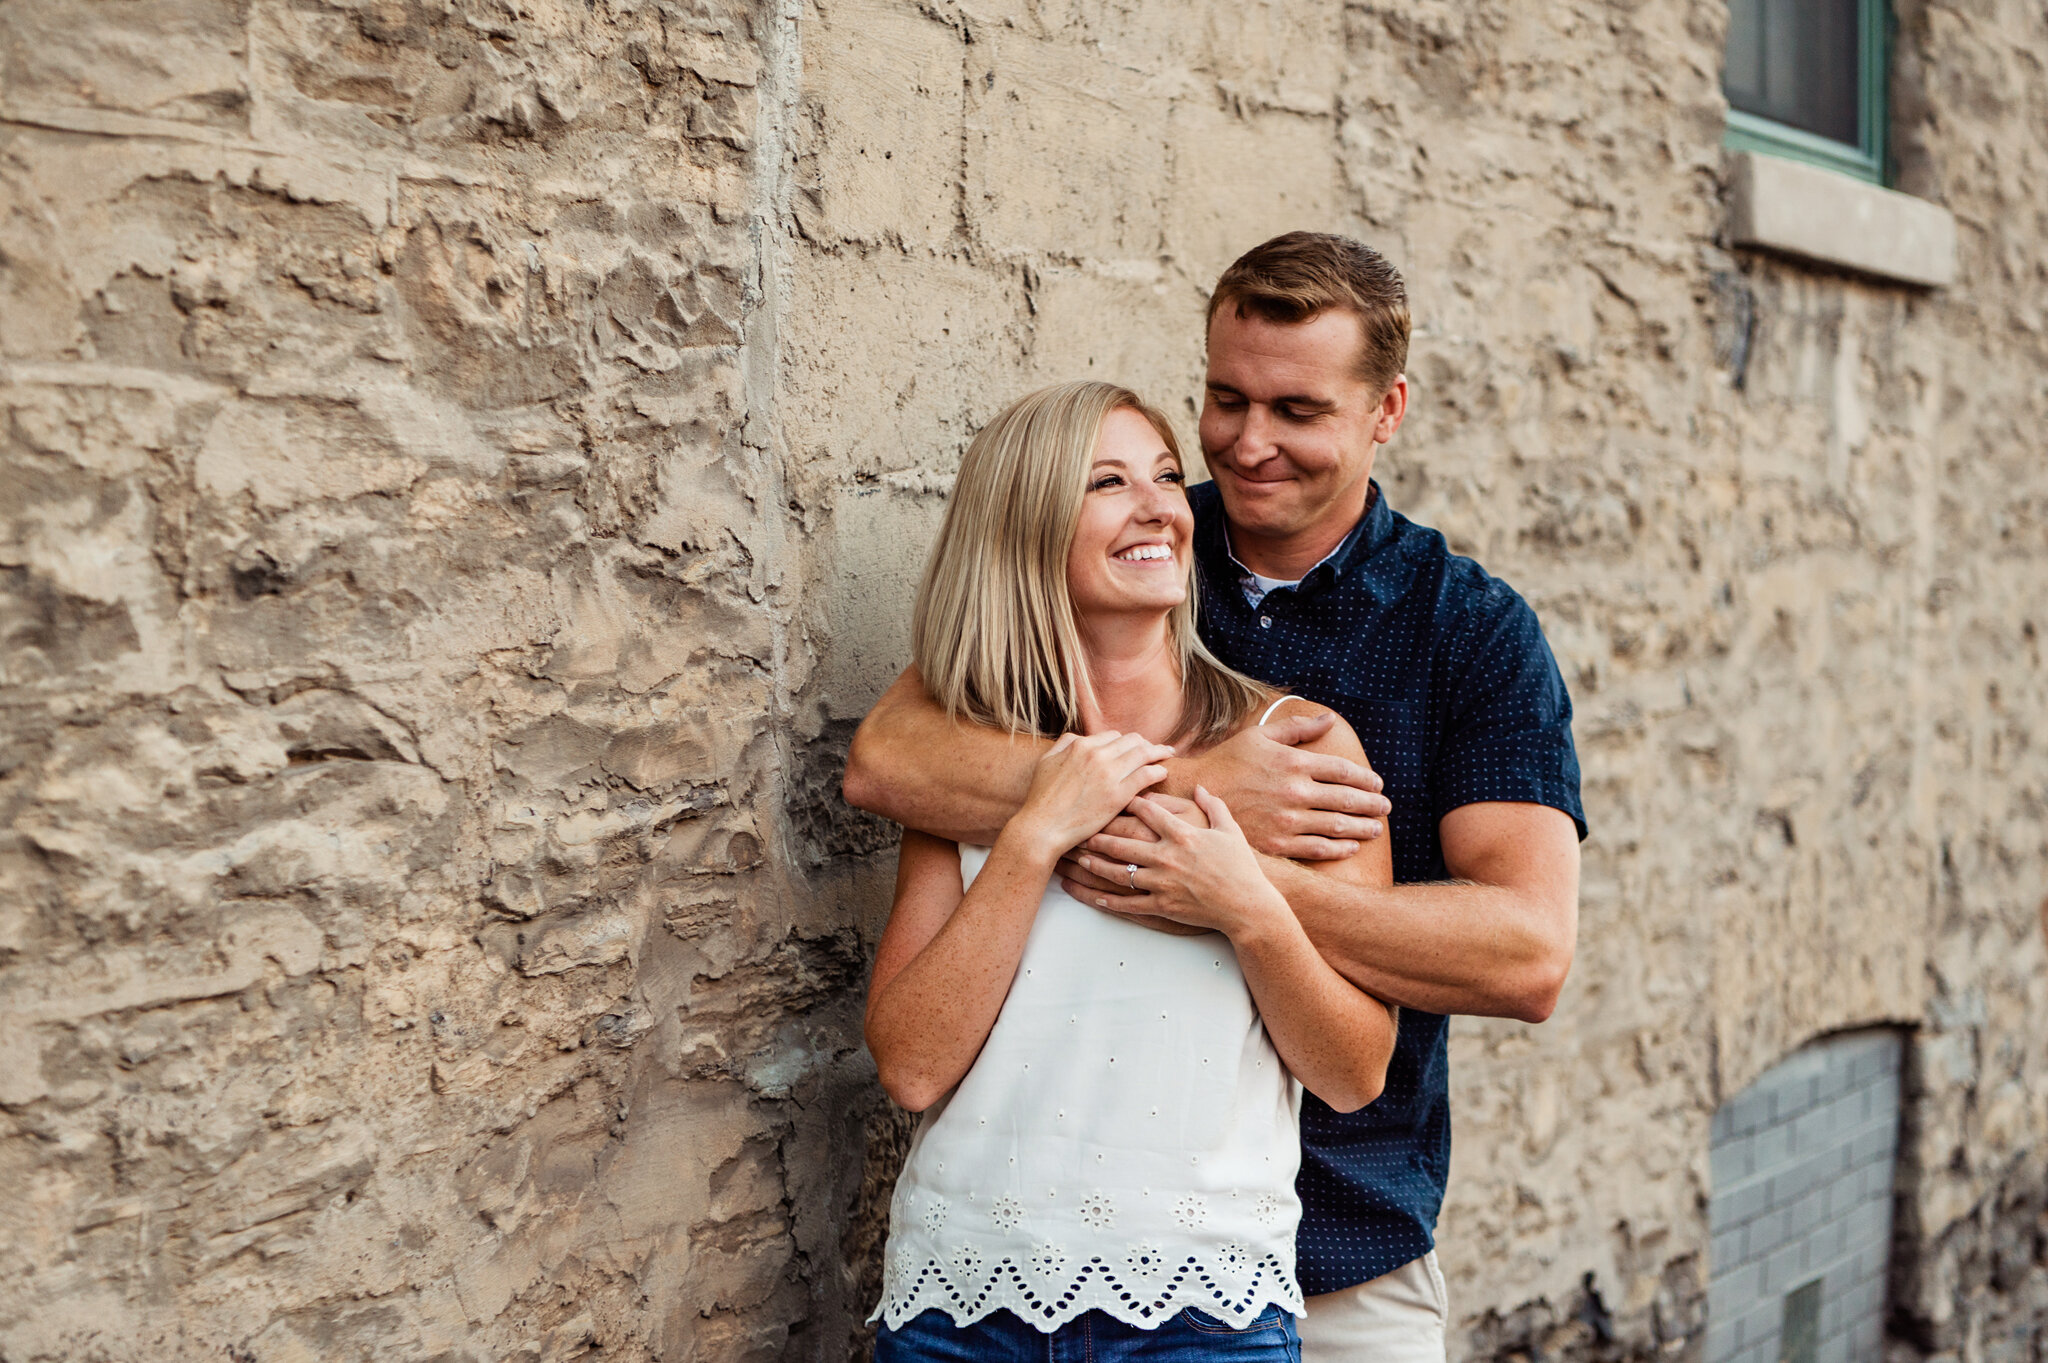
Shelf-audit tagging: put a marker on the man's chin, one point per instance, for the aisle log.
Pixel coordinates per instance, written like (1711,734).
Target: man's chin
(1248,507)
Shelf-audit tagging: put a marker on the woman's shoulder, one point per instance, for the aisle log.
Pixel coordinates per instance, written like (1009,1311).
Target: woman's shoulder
(1284,705)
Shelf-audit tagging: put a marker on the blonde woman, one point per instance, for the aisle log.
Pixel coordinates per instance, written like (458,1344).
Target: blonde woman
(1109,1140)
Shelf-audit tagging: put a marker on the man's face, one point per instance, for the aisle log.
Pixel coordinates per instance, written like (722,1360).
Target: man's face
(1288,427)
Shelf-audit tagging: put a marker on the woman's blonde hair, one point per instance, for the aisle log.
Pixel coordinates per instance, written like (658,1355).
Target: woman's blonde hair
(994,631)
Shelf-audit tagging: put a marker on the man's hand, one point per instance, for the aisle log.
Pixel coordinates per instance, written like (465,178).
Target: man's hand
(1291,802)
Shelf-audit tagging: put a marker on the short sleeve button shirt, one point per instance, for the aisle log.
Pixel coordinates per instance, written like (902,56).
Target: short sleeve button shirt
(1443,671)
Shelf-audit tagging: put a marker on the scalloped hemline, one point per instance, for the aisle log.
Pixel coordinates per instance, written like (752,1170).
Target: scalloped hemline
(1097,1287)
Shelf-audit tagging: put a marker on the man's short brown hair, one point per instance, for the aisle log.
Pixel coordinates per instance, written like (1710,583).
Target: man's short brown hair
(1299,275)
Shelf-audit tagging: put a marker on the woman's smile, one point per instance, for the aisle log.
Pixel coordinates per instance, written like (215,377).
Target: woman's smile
(1135,514)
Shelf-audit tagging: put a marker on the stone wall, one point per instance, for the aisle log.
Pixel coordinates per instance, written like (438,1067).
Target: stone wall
(466,464)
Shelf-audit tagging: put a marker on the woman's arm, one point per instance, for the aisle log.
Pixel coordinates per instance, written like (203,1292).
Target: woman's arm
(945,963)
(1336,1038)
(947,959)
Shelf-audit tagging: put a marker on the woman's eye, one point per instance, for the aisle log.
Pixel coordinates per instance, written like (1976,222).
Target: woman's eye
(1174,476)
(1107,480)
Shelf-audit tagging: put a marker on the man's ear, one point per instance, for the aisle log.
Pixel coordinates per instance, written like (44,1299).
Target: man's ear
(1393,410)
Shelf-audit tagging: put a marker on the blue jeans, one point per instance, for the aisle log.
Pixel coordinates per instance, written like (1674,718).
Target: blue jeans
(1094,1337)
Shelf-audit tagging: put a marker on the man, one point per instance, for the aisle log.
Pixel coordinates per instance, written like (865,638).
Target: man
(1311,582)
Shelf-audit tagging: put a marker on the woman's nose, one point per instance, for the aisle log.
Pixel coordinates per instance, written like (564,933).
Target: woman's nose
(1156,506)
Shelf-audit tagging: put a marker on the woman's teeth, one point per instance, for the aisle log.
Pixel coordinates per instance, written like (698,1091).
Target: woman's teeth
(1145,551)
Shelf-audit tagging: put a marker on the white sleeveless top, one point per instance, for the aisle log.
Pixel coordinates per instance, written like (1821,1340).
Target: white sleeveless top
(1126,1141)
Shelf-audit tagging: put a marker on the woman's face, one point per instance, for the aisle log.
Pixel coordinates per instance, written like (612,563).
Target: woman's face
(1130,551)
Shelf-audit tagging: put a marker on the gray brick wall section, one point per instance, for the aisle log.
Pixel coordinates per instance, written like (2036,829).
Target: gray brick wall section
(1802,1165)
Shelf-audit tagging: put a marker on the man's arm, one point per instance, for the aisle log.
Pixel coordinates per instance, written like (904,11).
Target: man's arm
(1496,942)
(911,763)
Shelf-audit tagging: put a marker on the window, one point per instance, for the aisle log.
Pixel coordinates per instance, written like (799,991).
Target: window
(1805,79)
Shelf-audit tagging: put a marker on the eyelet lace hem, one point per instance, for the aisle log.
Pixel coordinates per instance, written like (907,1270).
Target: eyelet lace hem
(1143,1291)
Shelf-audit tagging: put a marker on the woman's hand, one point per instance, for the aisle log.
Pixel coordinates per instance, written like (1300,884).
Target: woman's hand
(1199,870)
(1127,825)
(1080,784)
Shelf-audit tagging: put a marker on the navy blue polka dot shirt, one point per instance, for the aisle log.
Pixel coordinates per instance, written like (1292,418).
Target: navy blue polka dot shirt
(1443,671)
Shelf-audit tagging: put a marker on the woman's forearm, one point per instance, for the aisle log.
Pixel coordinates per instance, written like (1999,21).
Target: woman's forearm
(1334,1038)
(925,1027)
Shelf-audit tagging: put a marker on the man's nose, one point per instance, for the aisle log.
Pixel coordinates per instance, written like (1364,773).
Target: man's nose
(1254,442)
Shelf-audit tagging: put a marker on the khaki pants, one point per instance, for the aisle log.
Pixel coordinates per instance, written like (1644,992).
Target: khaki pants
(1399,1317)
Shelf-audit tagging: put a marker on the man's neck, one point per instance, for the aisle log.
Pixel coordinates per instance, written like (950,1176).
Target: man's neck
(1288,558)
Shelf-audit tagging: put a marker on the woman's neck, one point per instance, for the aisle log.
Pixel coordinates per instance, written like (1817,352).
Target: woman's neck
(1133,675)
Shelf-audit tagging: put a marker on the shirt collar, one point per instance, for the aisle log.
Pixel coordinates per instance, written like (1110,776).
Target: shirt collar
(1373,530)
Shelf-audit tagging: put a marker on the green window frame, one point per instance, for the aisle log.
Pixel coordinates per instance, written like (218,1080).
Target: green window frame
(1867,159)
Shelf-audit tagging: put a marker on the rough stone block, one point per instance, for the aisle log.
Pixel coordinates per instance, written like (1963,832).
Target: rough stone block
(1059,160)
(886,82)
(1251,157)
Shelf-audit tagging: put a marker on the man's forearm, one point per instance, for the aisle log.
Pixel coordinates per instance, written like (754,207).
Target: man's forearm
(1453,947)
(911,763)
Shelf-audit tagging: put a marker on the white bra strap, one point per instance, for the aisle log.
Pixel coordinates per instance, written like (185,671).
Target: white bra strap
(1274,706)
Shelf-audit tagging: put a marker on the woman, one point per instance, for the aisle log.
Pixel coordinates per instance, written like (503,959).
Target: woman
(1110,1137)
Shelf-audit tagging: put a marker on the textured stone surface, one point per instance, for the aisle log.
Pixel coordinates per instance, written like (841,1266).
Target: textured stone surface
(466,463)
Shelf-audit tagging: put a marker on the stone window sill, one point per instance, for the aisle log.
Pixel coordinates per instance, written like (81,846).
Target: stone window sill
(1819,215)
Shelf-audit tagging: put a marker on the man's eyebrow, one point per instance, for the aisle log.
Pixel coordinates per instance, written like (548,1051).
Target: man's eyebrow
(1286,399)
